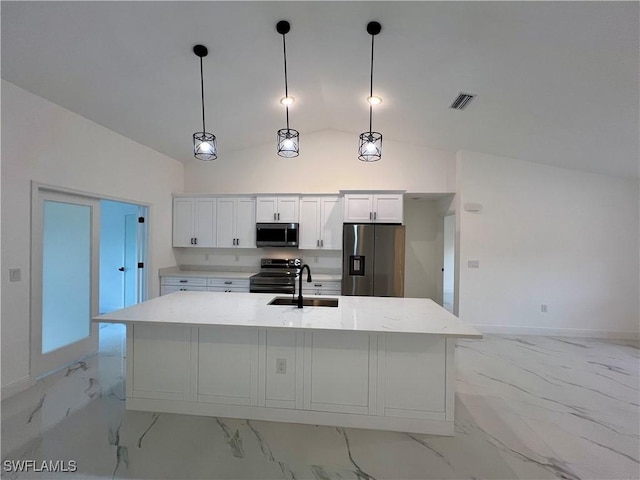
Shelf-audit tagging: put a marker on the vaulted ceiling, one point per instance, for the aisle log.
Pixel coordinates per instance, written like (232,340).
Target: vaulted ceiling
(557,82)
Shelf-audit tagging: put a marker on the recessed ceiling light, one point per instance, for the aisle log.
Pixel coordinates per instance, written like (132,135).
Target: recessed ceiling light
(374,100)
(286,101)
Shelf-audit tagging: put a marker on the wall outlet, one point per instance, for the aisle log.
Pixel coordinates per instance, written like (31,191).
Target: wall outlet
(14,274)
(544,308)
(281,365)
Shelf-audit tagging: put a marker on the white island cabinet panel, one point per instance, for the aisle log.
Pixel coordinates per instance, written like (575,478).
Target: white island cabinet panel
(228,365)
(339,380)
(283,368)
(414,369)
(159,361)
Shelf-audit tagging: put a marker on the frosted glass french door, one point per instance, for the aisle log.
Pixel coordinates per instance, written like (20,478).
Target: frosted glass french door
(64,279)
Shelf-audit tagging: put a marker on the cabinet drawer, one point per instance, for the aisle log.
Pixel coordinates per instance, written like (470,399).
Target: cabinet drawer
(166,289)
(194,281)
(228,282)
(227,288)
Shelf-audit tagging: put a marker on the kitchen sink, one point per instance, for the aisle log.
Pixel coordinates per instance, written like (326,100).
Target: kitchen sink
(306,301)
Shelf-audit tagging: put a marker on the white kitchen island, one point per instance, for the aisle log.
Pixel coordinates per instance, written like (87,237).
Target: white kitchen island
(372,362)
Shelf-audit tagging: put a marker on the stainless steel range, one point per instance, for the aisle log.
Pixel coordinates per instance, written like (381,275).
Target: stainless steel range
(277,275)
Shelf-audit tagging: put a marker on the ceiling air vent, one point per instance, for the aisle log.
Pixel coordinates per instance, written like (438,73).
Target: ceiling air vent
(462,101)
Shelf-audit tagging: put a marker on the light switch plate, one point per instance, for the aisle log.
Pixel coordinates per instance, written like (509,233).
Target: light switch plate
(473,264)
(14,274)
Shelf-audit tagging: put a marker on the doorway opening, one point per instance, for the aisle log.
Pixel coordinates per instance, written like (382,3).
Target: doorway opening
(448,264)
(123,236)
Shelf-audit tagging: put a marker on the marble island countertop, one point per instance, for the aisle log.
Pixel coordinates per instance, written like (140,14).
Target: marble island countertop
(359,314)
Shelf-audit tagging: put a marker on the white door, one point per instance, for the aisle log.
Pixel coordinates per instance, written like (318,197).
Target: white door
(358,208)
(205,222)
(65,263)
(225,222)
(183,221)
(287,210)
(387,208)
(245,223)
(266,209)
(130,260)
(309,223)
(331,223)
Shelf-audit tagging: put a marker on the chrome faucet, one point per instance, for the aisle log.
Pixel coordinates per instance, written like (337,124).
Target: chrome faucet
(300,299)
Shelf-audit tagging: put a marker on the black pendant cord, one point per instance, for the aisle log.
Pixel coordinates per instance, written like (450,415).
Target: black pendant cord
(371,88)
(202,94)
(286,86)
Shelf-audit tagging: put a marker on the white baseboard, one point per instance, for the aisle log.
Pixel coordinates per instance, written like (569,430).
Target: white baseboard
(15,387)
(556,332)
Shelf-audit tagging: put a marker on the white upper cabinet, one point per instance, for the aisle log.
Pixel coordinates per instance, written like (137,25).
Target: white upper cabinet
(321,222)
(236,224)
(373,208)
(282,209)
(194,221)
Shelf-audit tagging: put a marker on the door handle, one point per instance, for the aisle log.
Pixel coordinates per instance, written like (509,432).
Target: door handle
(237,241)
(274,216)
(195,241)
(278,216)
(322,243)
(121,269)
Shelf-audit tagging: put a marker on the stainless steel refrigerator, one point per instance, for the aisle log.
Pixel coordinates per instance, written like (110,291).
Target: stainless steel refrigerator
(373,260)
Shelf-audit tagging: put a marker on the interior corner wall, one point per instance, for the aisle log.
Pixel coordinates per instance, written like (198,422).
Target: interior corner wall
(548,236)
(327,163)
(48,144)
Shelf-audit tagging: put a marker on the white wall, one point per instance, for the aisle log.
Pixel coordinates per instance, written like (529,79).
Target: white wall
(424,249)
(49,144)
(550,236)
(327,163)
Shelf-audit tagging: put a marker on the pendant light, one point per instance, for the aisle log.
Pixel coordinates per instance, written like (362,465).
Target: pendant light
(204,143)
(370,147)
(288,138)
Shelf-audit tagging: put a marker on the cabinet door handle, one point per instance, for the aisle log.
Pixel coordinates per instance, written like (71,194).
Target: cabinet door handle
(375,215)
(238,241)
(370,216)
(322,243)
(195,241)
(317,243)
(278,216)
(183,281)
(274,216)
(228,282)
(317,284)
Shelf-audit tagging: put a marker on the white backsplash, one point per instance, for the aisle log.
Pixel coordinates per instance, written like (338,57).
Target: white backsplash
(248,259)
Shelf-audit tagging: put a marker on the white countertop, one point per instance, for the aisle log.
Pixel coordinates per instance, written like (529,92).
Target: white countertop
(360,314)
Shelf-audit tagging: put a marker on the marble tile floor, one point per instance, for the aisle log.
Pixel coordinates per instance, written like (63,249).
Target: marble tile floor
(526,408)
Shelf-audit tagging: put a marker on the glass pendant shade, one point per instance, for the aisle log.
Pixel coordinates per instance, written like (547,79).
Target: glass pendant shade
(205,146)
(288,142)
(370,148)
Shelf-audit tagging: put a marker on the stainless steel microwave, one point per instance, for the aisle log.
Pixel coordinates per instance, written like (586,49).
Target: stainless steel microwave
(277,234)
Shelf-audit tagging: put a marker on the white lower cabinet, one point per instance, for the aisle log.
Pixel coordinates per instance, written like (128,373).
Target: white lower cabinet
(182,284)
(227,285)
(228,365)
(159,361)
(337,375)
(322,288)
(388,381)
